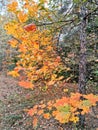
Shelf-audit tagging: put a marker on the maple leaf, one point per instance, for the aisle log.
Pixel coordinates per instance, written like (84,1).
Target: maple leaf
(35,45)
(30,27)
(26,84)
(32,111)
(42,106)
(13,6)
(61,102)
(49,105)
(75,96)
(46,116)
(14,73)
(35,122)
(62,117)
(50,83)
(13,42)
(22,48)
(92,98)
(85,110)
(40,112)
(74,119)
(22,17)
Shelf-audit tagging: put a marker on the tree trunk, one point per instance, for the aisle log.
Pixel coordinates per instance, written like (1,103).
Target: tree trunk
(82,62)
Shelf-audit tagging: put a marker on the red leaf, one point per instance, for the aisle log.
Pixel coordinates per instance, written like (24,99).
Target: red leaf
(30,27)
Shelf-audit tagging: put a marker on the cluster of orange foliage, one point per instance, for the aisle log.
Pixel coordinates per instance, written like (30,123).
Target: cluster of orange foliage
(38,62)
(37,56)
(66,109)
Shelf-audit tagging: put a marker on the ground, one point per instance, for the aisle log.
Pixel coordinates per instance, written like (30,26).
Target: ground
(14,100)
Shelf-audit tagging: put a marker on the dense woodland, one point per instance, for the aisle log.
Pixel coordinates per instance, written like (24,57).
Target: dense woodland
(50,47)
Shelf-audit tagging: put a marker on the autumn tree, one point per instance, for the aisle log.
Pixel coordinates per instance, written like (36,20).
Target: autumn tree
(35,31)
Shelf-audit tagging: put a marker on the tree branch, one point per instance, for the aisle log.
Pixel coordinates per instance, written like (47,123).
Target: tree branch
(90,13)
(62,21)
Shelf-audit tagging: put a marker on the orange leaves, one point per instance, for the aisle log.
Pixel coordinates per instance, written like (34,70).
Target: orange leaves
(38,63)
(51,82)
(13,42)
(35,121)
(46,115)
(61,102)
(40,112)
(67,107)
(63,109)
(32,111)
(30,27)
(35,45)
(22,17)
(26,84)
(13,6)
(85,110)
(35,49)
(92,98)
(22,48)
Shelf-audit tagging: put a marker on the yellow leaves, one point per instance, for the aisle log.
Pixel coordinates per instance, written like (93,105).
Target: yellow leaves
(53,77)
(62,117)
(65,90)
(35,45)
(13,6)
(32,8)
(74,119)
(11,28)
(14,73)
(22,17)
(39,62)
(13,42)
(26,84)
(44,69)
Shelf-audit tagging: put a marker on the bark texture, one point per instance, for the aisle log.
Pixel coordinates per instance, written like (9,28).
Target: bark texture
(82,62)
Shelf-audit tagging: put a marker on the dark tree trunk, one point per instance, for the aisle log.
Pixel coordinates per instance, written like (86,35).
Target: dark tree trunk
(82,62)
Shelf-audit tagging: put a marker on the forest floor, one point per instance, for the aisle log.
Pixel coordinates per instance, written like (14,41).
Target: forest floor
(14,100)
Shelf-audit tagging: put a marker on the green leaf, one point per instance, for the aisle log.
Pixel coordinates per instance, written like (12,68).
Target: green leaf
(86,103)
(65,109)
